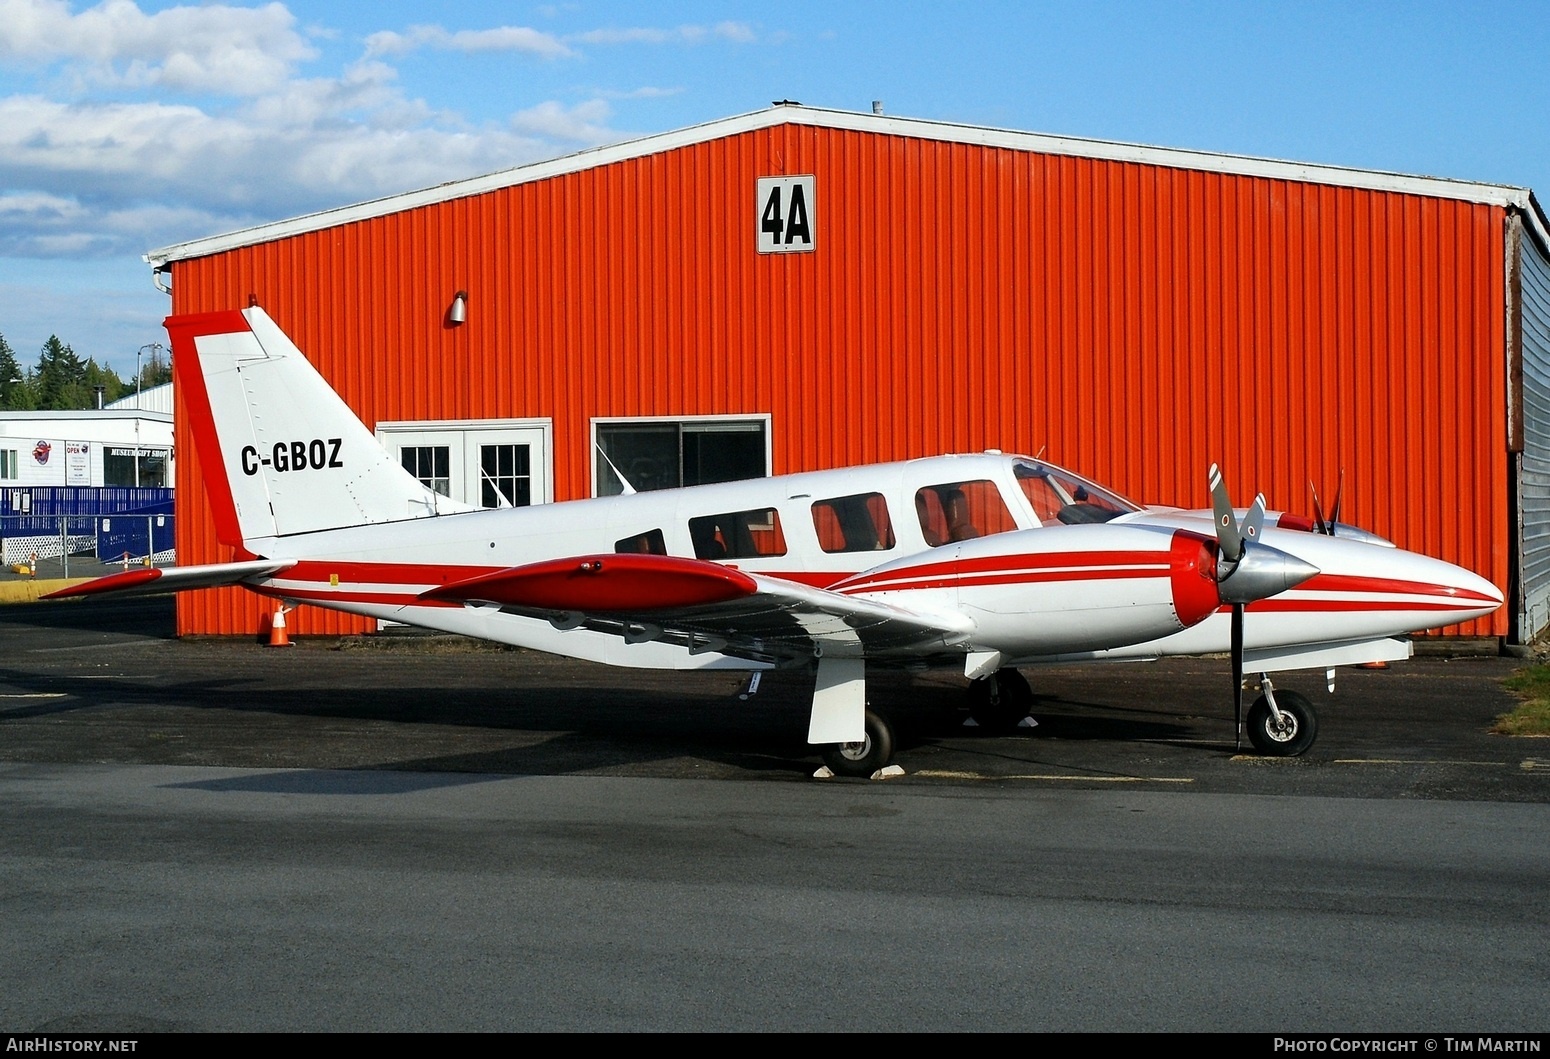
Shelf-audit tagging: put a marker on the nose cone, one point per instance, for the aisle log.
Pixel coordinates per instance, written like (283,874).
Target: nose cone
(1419,591)
(1471,591)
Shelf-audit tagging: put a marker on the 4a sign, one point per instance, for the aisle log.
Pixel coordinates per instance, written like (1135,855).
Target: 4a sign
(785,214)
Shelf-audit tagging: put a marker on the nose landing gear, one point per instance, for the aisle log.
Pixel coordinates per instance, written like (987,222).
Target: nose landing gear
(1281,723)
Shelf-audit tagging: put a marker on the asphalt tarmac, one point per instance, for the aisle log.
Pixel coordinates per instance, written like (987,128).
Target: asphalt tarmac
(421,834)
(108,682)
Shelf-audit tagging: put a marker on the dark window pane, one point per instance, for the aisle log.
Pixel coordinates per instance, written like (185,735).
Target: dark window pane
(722,455)
(649,543)
(645,453)
(738,535)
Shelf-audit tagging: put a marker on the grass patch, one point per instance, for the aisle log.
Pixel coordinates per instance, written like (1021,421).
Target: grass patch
(1532,718)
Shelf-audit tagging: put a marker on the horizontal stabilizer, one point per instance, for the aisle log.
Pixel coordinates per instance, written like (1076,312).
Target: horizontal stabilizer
(154,580)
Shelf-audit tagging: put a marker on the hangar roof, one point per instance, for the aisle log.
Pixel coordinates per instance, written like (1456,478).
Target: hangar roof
(1502,195)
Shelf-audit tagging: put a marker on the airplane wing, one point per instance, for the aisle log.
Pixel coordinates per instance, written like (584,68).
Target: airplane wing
(150,580)
(704,606)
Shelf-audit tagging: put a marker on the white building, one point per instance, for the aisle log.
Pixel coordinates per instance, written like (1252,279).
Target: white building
(111,446)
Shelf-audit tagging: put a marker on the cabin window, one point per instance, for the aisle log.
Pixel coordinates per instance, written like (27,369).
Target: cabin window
(665,454)
(649,543)
(853,523)
(960,511)
(738,535)
(431,464)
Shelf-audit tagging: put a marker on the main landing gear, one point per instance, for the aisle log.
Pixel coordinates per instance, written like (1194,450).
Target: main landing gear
(1000,702)
(875,751)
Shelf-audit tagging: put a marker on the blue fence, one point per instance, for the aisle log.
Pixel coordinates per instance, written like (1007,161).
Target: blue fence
(109,524)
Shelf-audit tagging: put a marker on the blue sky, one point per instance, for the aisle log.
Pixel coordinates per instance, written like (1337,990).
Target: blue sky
(129,126)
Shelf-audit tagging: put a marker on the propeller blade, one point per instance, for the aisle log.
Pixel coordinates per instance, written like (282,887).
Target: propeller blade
(1227,535)
(1318,513)
(1253,520)
(1237,676)
(1334,512)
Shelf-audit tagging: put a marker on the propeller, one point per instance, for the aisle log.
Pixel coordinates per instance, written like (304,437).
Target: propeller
(1323,525)
(1333,527)
(1246,570)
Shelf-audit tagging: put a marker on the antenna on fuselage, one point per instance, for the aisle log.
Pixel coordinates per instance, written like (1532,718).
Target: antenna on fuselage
(628,488)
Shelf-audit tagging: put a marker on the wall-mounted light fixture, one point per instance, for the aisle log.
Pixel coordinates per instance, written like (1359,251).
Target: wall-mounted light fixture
(459,311)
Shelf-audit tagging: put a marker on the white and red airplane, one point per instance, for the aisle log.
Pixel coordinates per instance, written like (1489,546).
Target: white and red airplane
(980,562)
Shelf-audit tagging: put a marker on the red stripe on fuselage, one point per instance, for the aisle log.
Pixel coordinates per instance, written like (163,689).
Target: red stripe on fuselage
(1014,578)
(955,568)
(1358,583)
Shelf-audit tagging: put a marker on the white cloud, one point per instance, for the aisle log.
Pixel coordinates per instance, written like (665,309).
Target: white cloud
(502,38)
(736,32)
(111,172)
(583,123)
(124,165)
(240,51)
(37,205)
(644,92)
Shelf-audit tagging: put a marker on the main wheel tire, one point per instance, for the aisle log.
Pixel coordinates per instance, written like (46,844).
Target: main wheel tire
(998,703)
(875,750)
(1295,734)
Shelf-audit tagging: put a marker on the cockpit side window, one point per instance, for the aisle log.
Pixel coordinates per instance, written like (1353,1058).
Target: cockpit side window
(960,511)
(738,535)
(1058,496)
(857,523)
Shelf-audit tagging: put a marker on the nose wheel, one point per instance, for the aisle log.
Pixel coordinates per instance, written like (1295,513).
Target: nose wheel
(1282,723)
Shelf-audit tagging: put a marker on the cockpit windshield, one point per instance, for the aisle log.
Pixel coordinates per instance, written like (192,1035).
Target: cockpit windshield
(1057,495)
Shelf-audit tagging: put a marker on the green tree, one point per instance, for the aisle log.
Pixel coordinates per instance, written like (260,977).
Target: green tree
(12,383)
(61,377)
(95,375)
(157,368)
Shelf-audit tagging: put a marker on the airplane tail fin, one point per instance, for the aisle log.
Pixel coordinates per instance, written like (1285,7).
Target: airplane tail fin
(280,452)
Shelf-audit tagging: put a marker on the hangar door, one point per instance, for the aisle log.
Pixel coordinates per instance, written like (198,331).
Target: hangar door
(484,462)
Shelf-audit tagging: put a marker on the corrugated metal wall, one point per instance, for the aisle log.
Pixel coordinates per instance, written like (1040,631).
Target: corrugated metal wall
(1133,322)
(1533,335)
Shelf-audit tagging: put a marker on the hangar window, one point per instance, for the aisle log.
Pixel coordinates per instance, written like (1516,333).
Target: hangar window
(664,454)
(853,523)
(649,543)
(8,465)
(431,464)
(960,511)
(738,535)
(505,476)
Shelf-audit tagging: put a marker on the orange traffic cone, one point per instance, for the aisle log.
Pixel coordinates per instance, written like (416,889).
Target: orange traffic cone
(34,564)
(277,636)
